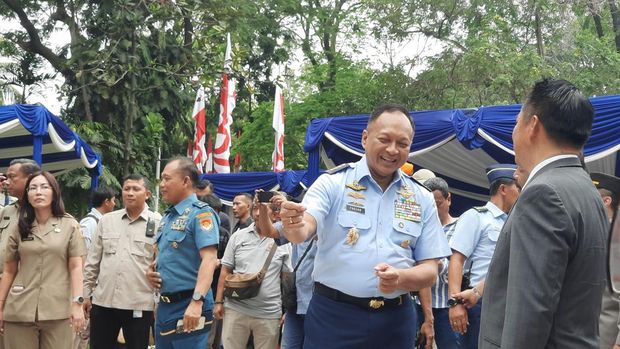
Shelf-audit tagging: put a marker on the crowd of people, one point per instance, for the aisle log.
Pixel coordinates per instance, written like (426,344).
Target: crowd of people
(370,257)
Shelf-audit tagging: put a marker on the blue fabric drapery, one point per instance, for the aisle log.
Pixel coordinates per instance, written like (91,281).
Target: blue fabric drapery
(35,119)
(227,185)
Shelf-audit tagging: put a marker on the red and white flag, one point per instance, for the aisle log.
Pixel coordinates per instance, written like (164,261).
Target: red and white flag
(221,153)
(278,125)
(199,154)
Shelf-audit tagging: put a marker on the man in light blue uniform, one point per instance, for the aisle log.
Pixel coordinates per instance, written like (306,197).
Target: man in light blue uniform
(187,243)
(473,243)
(379,237)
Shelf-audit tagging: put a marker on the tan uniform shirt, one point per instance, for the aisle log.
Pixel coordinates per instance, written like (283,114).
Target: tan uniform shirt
(120,254)
(8,221)
(42,287)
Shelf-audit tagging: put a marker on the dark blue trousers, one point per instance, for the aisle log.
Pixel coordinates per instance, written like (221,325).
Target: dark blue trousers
(166,318)
(335,325)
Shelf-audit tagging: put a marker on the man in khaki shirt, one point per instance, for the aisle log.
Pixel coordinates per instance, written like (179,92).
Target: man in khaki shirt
(115,273)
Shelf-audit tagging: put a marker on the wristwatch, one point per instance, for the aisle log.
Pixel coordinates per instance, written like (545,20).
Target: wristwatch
(198,297)
(453,302)
(79,300)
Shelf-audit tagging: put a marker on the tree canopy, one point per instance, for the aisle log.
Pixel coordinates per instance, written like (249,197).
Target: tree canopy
(130,68)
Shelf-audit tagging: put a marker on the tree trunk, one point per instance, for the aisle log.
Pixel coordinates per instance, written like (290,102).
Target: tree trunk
(615,17)
(131,107)
(539,37)
(597,19)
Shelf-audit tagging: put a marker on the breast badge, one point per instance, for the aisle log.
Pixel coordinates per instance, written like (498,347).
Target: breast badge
(352,236)
(356,186)
(405,244)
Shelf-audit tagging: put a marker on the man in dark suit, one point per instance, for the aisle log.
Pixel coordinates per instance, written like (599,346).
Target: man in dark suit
(546,278)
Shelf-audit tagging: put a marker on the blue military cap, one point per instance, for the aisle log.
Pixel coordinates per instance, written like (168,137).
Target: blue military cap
(497,171)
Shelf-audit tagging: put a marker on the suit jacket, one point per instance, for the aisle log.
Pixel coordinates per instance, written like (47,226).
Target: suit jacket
(546,278)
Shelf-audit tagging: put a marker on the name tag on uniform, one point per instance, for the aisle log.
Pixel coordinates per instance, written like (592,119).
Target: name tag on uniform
(28,238)
(356,207)
(408,210)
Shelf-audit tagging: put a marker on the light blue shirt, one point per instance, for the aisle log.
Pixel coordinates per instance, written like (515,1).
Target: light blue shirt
(184,229)
(303,276)
(362,227)
(475,236)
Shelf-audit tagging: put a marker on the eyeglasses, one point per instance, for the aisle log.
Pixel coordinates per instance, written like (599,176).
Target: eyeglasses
(42,187)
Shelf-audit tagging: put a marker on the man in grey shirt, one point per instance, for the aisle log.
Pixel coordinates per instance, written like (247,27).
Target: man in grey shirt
(246,252)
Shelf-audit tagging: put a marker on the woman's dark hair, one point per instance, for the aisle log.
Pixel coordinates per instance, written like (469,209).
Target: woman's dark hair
(26,211)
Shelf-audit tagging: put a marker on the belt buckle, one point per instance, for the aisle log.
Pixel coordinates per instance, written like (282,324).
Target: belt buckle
(376,303)
(165,299)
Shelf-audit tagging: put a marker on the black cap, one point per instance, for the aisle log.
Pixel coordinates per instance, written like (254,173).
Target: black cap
(605,181)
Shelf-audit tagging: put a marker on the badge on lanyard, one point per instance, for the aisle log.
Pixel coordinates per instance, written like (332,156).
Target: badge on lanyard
(352,236)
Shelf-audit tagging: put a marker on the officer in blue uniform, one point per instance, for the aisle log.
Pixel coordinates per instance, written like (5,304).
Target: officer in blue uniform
(473,243)
(379,237)
(187,255)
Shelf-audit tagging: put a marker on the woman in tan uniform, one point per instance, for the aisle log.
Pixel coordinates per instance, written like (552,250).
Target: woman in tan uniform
(40,291)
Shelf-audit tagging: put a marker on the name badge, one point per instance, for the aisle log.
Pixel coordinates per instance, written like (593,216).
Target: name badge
(28,238)
(355,207)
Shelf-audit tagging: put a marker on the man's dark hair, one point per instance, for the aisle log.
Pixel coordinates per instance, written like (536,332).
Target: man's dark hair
(390,108)
(203,184)
(28,166)
(101,194)
(565,113)
(138,177)
(437,183)
(248,196)
(495,185)
(213,201)
(187,168)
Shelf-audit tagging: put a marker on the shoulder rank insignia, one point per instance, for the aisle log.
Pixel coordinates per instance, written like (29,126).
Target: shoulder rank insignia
(356,186)
(480,208)
(200,204)
(340,168)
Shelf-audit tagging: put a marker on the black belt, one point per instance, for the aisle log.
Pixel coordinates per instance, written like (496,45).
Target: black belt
(175,297)
(373,303)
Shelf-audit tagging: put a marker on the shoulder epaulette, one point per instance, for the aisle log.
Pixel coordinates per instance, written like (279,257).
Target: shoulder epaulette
(200,204)
(418,182)
(340,168)
(480,208)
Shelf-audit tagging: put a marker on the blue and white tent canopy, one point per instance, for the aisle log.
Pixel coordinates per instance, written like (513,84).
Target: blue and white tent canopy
(32,131)
(458,144)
